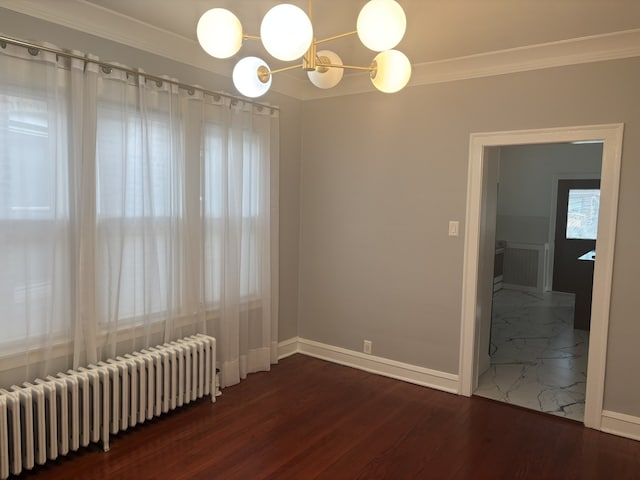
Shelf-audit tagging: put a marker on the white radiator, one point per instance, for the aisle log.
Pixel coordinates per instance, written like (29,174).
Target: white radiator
(524,266)
(42,420)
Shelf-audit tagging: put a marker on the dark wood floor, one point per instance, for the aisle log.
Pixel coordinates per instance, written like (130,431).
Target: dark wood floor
(312,419)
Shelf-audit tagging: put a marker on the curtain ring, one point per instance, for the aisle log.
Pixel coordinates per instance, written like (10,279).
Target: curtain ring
(33,51)
(3,44)
(106,69)
(191,91)
(158,83)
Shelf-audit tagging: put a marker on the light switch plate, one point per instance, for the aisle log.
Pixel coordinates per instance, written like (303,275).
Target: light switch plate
(454,228)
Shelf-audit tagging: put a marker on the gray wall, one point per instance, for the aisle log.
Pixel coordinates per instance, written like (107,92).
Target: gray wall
(526,176)
(383,174)
(28,28)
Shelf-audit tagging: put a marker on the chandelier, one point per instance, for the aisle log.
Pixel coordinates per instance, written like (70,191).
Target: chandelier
(287,34)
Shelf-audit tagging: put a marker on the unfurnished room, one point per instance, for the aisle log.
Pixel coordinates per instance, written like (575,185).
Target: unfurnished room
(251,239)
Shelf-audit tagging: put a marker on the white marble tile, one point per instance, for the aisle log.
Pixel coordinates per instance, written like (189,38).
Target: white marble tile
(538,360)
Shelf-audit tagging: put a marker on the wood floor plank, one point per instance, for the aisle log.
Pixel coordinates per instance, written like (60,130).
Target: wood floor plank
(312,419)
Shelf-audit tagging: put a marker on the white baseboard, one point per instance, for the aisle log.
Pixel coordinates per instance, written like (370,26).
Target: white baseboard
(521,288)
(620,424)
(446,382)
(288,347)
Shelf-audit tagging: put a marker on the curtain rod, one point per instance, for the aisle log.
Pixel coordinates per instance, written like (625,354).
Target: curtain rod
(185,86)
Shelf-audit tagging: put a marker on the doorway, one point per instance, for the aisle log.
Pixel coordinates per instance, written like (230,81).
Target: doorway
(473,313)
(536,356)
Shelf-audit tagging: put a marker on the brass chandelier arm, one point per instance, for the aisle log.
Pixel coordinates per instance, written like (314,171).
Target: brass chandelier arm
(335,37)
(347,67)
(264,73)
(284,69)
(247,36)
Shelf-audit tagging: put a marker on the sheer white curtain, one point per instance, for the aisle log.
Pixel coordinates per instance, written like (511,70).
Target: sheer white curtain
(238,140)
(131,213)
(142,225)
(37,294)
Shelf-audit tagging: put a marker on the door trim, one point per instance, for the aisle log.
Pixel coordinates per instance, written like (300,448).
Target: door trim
(611,135)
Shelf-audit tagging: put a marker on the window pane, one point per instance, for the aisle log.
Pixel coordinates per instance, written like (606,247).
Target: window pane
(133,174)
(29,162)
(582,216)
(223,202)
(138,206)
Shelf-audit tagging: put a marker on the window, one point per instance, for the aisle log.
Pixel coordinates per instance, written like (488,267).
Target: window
(173,190)
(131,210)
(138,204)
(233,205)
(582,215)
(34,224)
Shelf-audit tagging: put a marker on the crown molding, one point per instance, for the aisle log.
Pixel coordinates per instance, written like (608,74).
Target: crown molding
(95,20)
(595,48)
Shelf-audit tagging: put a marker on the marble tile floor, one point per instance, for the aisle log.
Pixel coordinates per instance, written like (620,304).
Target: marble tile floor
(538,360)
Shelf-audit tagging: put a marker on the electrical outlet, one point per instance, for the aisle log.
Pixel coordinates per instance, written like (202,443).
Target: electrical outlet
(367,346)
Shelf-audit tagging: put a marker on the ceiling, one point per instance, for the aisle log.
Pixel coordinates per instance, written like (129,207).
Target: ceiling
(437,30)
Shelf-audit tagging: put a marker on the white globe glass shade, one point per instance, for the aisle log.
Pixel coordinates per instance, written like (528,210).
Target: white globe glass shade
(381,24)
(393,71)
(329,77)
(246,80)
(286,32)
(219,33)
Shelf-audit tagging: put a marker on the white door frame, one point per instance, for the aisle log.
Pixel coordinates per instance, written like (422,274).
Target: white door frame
(611,135)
